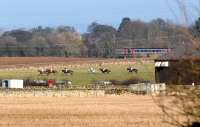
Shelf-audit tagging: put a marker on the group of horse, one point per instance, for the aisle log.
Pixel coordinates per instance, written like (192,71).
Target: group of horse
(52,71)
(42,71)
(130,69)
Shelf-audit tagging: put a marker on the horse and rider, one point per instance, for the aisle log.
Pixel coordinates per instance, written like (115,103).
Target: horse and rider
(131,69)
(47,71)
(91,70)
(67,71)
(105,70)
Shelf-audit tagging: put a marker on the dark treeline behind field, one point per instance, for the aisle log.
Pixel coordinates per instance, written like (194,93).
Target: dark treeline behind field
(99,41)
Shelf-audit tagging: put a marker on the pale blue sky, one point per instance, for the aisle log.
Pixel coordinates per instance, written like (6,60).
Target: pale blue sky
(80,13)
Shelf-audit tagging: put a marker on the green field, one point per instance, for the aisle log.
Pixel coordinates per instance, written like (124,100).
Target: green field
(81,75)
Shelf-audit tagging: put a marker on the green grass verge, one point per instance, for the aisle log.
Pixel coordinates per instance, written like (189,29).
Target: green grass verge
(81,75)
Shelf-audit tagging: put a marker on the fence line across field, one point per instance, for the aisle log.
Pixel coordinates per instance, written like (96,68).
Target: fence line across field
(134,89)
(141,89)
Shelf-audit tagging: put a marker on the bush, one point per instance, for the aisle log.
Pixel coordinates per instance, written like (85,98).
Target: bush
(134,80)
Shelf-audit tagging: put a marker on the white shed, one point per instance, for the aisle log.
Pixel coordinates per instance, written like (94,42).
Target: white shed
(13,83)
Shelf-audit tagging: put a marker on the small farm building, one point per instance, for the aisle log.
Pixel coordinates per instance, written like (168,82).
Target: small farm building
(184,71)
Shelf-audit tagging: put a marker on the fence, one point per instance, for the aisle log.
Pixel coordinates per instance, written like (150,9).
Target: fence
(135,89)
(149,89)
(50,93)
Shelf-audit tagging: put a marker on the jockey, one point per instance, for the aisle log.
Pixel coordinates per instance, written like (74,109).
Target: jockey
(92,70)
(42,69)
(65,69)
(131,67)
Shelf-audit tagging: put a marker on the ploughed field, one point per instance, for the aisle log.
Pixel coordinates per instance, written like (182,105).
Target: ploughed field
(27,68)
(109,111)
(30,61)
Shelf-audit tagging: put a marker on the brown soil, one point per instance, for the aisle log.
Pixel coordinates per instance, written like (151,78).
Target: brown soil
(9,62)
(40,60)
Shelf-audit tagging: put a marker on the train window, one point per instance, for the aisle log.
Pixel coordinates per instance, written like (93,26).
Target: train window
(129,51)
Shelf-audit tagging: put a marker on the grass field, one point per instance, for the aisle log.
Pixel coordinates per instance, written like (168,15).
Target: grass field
(81,75)
(110,111)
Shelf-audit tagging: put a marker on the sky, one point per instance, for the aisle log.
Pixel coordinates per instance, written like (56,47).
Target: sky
(81,13)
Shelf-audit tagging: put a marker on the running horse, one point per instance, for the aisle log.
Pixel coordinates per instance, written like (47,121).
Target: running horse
(131,70)
(47,71)
(42,71)
(67,71)
(104,70)
(51,71)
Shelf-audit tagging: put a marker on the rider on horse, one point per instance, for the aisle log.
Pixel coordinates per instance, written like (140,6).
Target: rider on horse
(132,69)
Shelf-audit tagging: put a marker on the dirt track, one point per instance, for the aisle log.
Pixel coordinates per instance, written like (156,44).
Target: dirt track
(17,61)
(40,60)
(132,111)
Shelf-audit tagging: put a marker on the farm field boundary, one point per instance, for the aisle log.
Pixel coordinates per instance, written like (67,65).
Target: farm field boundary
(84,92)
(69,92)
(51,93)
(79,92)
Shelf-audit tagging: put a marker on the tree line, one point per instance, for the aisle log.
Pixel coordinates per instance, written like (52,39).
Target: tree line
(99,41)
